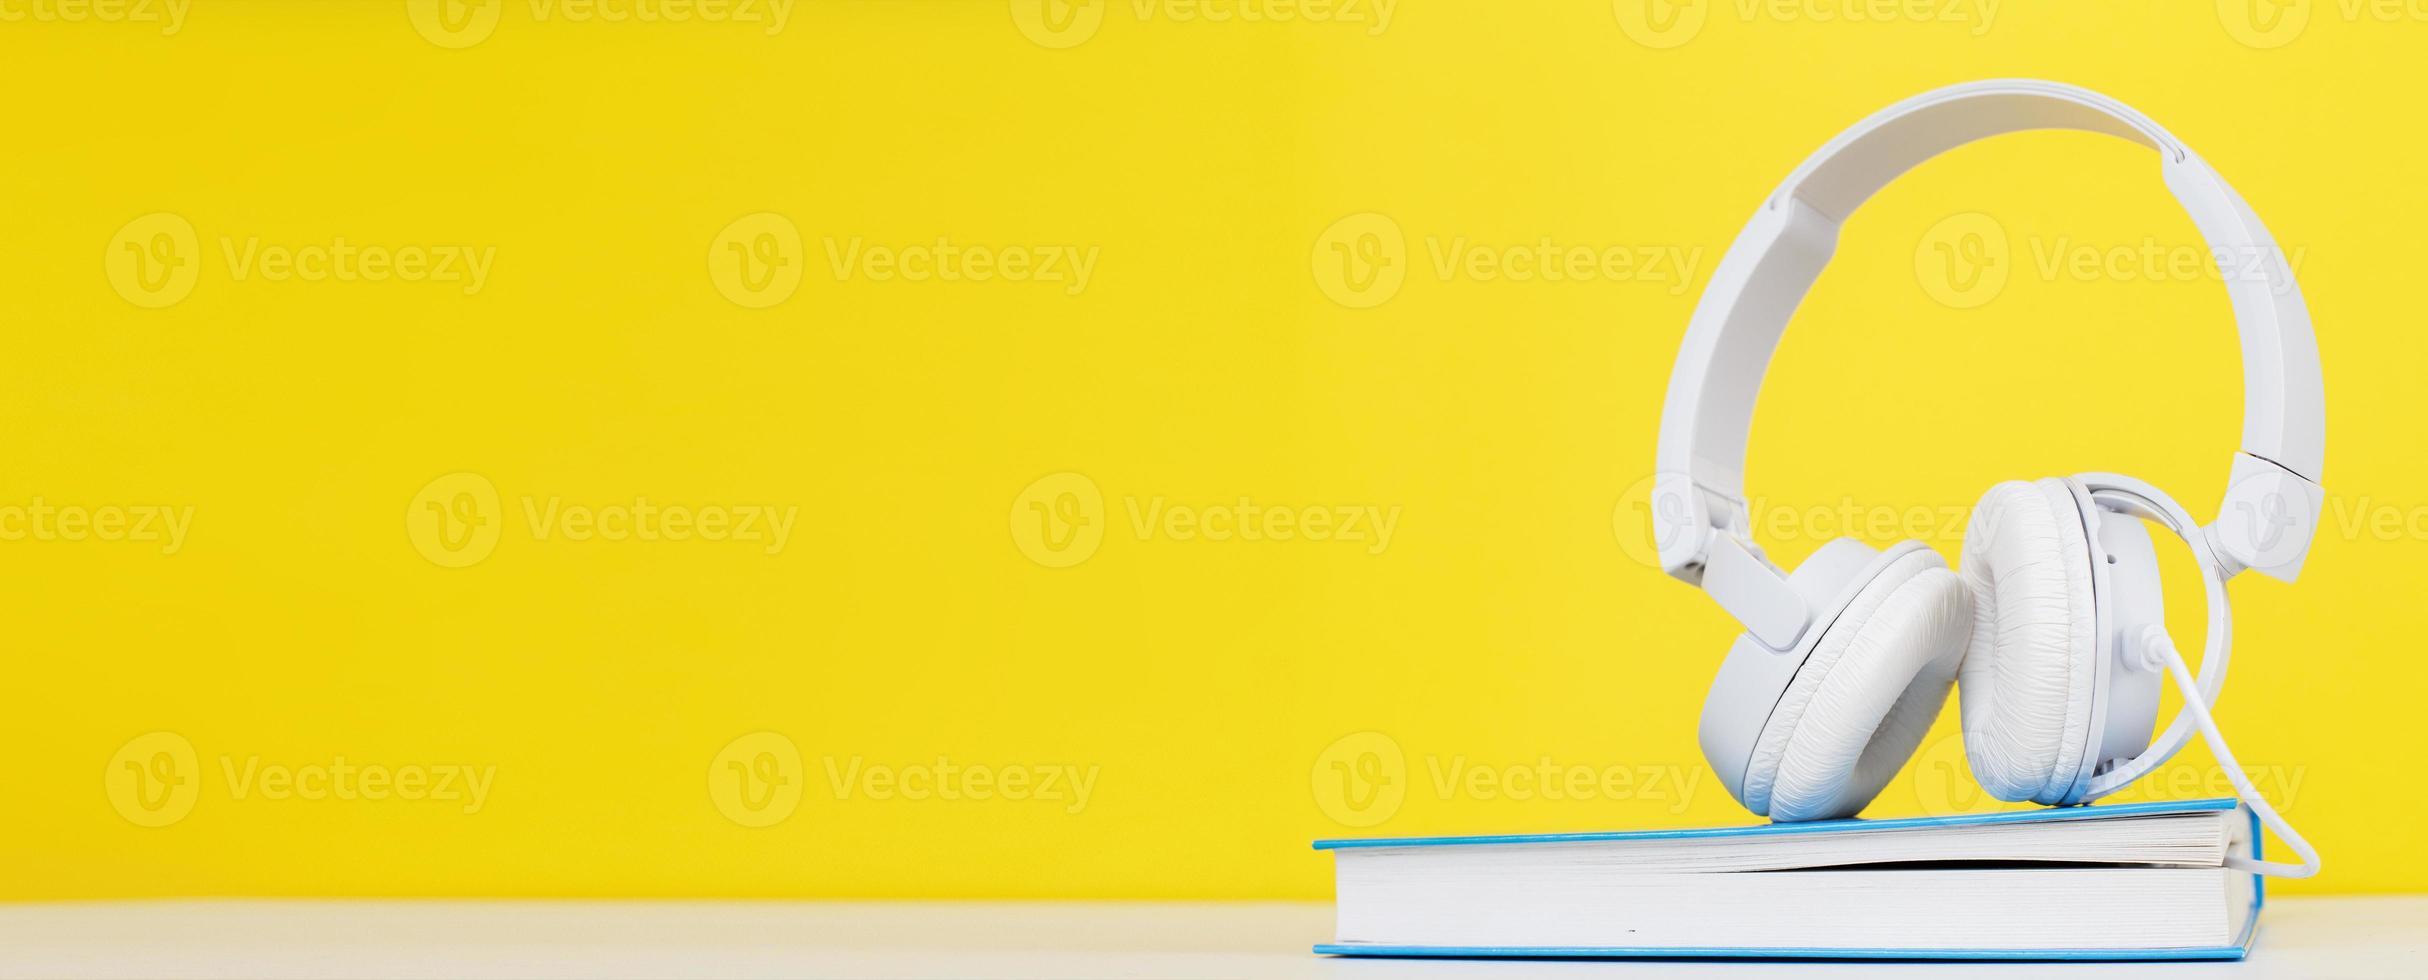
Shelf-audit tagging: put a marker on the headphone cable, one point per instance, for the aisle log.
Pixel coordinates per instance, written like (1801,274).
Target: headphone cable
(2156,645)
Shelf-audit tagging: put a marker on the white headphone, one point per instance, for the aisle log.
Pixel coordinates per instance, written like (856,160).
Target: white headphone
(2055,631)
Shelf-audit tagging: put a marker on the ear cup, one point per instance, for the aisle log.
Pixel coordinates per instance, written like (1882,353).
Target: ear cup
(2026,683)
(1863,699)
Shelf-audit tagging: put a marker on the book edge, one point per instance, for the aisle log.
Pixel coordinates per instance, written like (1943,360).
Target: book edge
(2241,947)
(2234,952)
(2046,815)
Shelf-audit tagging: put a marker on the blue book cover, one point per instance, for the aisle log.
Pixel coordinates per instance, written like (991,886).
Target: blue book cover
(2237,950)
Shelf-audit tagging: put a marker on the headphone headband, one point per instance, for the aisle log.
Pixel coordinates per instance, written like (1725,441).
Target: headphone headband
(1701,525)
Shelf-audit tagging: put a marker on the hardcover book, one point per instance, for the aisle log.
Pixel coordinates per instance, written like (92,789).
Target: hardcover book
(2131,881)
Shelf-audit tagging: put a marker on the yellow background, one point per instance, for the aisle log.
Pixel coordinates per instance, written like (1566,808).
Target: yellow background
(1207,683)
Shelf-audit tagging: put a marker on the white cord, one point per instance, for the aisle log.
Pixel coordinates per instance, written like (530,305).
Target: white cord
(2155,641)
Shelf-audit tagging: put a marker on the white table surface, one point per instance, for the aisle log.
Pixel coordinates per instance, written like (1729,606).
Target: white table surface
(2320,937)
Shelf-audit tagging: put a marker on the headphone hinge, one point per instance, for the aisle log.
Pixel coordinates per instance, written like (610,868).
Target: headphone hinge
(2267,520)
(1754,592)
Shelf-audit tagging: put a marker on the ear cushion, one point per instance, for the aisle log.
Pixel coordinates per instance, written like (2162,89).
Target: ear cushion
(2025,685)
(1863,699)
